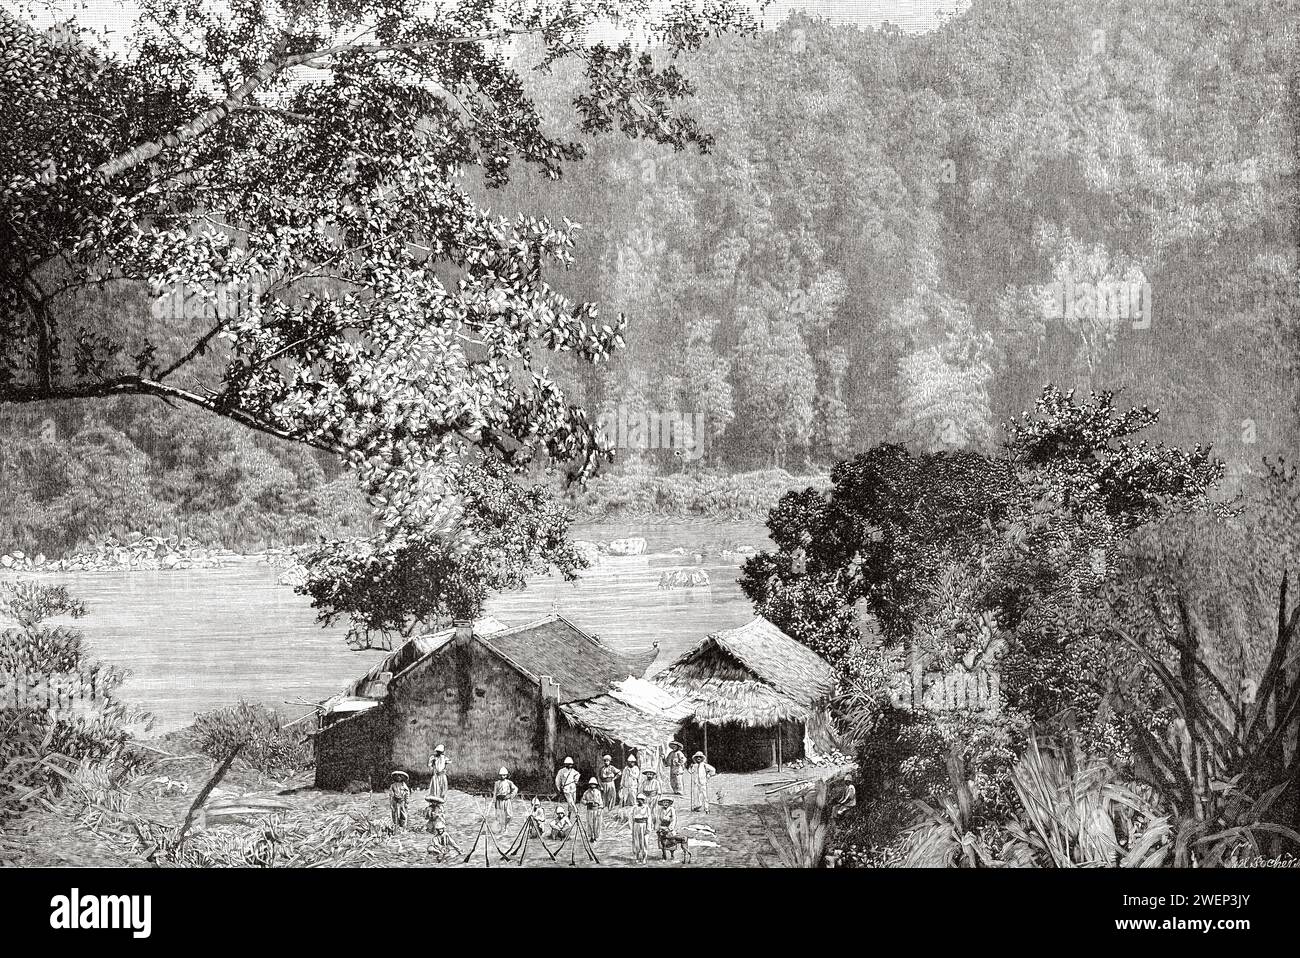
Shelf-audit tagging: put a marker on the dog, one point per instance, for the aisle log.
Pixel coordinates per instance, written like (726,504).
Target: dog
(669,843)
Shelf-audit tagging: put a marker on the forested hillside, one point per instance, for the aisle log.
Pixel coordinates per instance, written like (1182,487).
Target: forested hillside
(869,252)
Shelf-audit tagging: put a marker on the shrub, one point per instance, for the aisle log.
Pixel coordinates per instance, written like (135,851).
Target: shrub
(62,719)
(271,747)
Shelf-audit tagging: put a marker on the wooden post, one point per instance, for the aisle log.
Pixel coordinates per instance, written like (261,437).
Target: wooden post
(550,722)
(778,745)
(706,740)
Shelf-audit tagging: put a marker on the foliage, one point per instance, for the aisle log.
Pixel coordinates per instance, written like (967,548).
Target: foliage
(1228,763)
(506,534)
(308,177)
(741,496)
(801,839)
(43,746)
(1073,812)
(947,836)
(959,554)
(914,265)
(270,746)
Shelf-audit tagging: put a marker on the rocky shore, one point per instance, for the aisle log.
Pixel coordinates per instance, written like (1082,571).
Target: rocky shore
(145,553)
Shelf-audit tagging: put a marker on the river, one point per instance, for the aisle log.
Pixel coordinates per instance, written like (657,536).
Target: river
(196,640)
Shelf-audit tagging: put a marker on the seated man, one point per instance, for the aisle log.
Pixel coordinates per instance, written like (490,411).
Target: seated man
(561,825)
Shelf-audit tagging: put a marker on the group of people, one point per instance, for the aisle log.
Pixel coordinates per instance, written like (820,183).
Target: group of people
(632,787)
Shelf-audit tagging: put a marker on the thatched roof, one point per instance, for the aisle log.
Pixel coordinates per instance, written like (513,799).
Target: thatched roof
(634,712)
(754,675)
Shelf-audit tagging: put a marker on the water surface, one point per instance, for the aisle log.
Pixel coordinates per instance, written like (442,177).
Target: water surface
(196,640)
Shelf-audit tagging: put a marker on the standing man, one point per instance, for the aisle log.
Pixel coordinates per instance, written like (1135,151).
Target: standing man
(667,823)
(631,779)
(399,794)
(650,789)
(592,801)
(608,775)
(701,772)
(640,826)
(438,766)
(503,793)
(566,782)
(676,762)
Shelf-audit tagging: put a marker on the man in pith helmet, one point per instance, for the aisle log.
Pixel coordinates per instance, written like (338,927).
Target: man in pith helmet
(503,794)
(608,776)
(631,779)
(566,782)
(438,768)
(442,844)
(700,773)
(594,804)
(536,820)
(561,825)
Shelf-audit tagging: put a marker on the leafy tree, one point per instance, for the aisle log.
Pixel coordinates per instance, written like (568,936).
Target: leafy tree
(321,165)
(967,558)
(492,536)
(775,382)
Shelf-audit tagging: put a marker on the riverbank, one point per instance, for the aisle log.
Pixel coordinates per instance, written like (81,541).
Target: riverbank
(648,497)
(612,498)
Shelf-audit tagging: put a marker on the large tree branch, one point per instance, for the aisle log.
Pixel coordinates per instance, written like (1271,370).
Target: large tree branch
(140,386)
(278,63)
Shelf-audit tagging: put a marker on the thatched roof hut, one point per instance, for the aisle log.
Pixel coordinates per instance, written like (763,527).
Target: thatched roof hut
(635,713)
(755,675)
(757,692)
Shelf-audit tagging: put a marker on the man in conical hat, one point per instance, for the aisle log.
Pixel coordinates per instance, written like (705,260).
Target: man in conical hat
(666,823)
(650,788)
(399,794)
(566,782)
(433,812)
(676,762)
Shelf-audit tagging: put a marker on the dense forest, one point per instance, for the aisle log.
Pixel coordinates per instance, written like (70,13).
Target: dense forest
(873,250)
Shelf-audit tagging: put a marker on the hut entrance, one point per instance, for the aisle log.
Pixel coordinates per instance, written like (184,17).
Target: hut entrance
(736,747)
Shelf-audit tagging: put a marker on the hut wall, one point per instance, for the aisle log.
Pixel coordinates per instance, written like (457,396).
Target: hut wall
(583,748)
(355,749)
(484,711)
(734,747)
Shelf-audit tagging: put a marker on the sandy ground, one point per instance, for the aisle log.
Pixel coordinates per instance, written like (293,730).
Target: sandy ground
(734,824)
